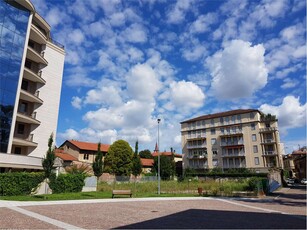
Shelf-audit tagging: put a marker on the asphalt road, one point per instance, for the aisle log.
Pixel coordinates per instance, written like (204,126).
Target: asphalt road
(284,210)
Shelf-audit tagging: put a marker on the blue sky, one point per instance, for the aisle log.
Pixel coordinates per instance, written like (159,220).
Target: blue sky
(131,62)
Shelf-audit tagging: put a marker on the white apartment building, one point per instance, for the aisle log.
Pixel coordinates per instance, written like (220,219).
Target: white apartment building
(244,138)
(31,71)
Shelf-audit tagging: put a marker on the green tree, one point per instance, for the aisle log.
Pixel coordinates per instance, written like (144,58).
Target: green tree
(98,163)
(48,160)
(136,162)
(146,154)
(118,161)
(167,169)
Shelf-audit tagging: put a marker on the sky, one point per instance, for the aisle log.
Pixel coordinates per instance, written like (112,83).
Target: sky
(130,62)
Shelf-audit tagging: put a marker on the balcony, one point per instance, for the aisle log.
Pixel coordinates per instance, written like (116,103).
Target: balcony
(231,133)
(268,141)
(24,118)
(36,56)
(197,146)
(202,136)
(32,76)
(268,130)
(234,166)
(37,35)
(28,141)
(238,143)
(27,96)
(239,154)
(269,153)
(271,165)
(196,156)
(20,161)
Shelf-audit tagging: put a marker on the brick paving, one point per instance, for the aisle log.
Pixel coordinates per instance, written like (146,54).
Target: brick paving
(286,210)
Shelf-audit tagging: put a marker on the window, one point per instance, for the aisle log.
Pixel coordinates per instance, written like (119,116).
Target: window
(17,150)
(233,118)
(253,126)
(239,117)
(254,138)
(213,141)
(85,156)
(203,123)
(221,120)
(21,129)
(256,160)
(251,115)
(23,107)
(205,152)
(198,123)
(267,125)
(226,120)
(24,85)
(212,122)
(255,148)
(189,134)
(222,130)
(215,162)
(212,131)
(214,152)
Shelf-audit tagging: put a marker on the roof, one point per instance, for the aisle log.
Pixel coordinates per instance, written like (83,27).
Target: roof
(147,162)
(64,156)
(88,145)
(155,154)
(222,114)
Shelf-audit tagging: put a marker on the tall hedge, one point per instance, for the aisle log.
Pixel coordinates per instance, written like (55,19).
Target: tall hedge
(67,183)
(19,183)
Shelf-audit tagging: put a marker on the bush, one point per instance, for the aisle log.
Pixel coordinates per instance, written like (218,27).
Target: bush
(255,182)
(19,183)
(67,183)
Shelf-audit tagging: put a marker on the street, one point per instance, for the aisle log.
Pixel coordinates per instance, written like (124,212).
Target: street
(285,209)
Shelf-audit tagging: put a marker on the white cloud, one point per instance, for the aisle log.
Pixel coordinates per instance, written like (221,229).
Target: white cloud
(76,36)
(238,70)
(194,53)
(177,14)
(107,95)
(185,96)
(203,23)
(289,83)
(135,33)
(117,19)
(55,16)
(69,134)
(80,80)
(290,114)
(143,83)
(76,102)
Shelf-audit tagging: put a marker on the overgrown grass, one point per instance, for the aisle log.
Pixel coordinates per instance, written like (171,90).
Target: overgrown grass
(149,189)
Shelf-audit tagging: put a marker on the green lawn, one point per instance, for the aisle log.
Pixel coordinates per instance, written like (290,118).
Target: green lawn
(145,189)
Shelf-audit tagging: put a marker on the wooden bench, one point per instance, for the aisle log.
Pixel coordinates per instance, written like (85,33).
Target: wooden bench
(121,192)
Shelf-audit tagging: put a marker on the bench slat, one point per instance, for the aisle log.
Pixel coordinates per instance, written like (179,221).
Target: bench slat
(121,192)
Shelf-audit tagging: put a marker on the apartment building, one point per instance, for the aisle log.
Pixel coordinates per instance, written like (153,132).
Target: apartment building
(31,79)
(243,138)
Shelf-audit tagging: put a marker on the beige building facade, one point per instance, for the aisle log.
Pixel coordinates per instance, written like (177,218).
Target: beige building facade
(244,138)
(31,74)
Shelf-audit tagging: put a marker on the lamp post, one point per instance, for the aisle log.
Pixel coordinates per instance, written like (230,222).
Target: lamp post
(158,158)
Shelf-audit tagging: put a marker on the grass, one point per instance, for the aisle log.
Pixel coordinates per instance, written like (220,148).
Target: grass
(146,189)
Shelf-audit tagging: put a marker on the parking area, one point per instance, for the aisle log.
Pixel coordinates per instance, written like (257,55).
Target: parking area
(284,210)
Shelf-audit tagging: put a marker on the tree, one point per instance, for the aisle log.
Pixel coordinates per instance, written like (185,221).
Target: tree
(98,164)
(167,169)
(136,162)
(48,160)
(118,161)
(146,154)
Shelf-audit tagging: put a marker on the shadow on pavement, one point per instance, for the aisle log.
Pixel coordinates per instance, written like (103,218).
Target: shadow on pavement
(212,219)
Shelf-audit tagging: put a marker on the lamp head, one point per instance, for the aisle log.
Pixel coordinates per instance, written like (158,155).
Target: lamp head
(158,120)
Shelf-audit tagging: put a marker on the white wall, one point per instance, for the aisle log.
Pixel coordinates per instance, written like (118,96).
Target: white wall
(50,93)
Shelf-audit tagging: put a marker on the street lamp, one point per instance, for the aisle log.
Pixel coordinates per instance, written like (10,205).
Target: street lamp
(158,158)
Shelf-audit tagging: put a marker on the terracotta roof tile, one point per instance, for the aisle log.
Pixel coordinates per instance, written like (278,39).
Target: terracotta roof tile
(155,154)
(89,146)
(222,114)
(64,156)
(147,162)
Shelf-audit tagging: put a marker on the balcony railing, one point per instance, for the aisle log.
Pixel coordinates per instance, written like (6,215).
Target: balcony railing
(268,141)
(196,156)
(196,146)
(267,129)
(270,153)
(196,136)
(234,166)
(239,154)
(236,132)
(231,143)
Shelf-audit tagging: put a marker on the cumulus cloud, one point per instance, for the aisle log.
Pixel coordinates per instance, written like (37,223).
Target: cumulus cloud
(69,134)
(76,36)
(76,102)
(80,80)
(290,113)
(106,95)
(238,70)
(203,22)
(143,83)
(177,14)
(135,33)
(54,16)
(183,96)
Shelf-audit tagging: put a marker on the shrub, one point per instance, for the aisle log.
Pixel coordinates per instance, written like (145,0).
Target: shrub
(19,183)
(67,183)
(255,182)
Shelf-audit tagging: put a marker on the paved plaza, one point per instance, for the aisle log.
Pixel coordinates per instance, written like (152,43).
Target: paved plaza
(284,210)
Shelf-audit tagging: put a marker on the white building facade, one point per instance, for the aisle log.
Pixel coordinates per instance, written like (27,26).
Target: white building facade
(244,138)
(31,79)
